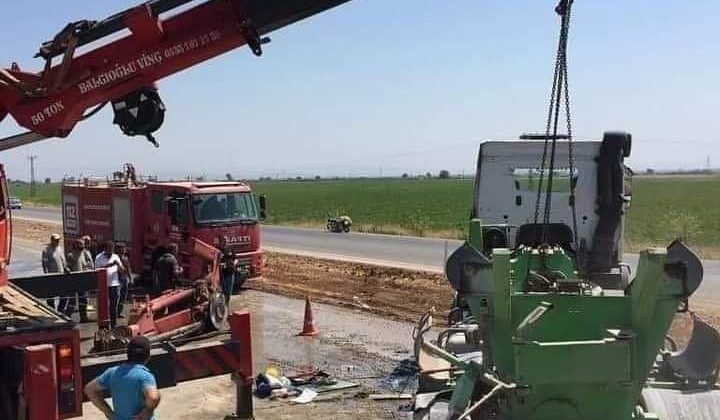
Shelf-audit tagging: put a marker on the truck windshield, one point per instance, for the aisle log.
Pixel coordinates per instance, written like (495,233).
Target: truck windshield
(527,179)
(225,208)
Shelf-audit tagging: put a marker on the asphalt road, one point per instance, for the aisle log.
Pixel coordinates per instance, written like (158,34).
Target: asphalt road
(401,251)
(392,250)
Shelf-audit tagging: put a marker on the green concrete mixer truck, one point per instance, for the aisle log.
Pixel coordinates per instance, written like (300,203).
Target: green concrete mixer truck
(548,322)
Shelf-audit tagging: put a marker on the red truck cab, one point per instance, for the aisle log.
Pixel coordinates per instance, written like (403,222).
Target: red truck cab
(148,216)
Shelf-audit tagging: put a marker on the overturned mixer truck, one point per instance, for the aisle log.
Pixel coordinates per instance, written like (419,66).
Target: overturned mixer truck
(548,322)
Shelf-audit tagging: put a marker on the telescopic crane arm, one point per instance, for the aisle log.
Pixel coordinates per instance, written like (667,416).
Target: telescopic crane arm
(123,71)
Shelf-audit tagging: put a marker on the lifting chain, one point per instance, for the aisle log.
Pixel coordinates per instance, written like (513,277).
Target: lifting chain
(559,93)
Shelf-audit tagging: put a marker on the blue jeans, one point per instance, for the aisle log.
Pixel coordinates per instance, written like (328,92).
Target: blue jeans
(228,283)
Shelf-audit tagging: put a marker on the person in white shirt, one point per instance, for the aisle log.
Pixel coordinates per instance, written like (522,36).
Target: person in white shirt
(109,260)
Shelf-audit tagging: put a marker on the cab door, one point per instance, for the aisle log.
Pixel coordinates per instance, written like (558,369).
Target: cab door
(179,216)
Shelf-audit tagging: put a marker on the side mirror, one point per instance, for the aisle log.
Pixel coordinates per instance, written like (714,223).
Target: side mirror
(628,188)
(263,206)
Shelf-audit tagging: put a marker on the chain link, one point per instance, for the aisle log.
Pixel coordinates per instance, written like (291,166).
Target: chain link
(560,92)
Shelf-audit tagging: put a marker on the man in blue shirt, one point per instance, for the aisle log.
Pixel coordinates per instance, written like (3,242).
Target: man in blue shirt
(131,385)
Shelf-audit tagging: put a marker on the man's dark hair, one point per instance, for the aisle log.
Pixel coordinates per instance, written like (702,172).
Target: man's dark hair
(109,247)
(138,350)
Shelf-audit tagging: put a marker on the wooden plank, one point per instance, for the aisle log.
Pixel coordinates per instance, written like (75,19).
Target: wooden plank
(22,304)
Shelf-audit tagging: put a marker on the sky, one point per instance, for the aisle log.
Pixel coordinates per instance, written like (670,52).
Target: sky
(383,87)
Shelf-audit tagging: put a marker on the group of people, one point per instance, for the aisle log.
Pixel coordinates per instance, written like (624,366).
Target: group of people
(166,269)
(131,385)
(81,257)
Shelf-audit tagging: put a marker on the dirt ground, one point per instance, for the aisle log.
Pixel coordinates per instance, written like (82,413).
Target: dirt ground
(395,293)
(34,231)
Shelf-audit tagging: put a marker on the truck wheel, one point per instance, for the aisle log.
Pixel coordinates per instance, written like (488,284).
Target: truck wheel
(217,312)
(627,145)
(346,228)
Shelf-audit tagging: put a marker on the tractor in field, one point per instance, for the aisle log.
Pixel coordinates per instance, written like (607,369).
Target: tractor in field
(548,321)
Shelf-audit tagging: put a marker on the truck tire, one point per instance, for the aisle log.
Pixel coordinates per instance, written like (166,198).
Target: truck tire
(217,312)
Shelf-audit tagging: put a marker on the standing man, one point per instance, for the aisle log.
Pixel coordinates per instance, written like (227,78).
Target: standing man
(109,260)
(126,276)
(53,261)
(90,246)
(168,268)
(79,259)
(228,268)
(131,385)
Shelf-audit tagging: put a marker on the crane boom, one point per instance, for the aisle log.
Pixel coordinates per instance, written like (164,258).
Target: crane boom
(123,71)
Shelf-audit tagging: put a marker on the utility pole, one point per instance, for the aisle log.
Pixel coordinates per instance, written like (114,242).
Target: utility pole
(32,159)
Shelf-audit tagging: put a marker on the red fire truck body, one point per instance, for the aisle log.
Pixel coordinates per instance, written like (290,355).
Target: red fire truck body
(147,217)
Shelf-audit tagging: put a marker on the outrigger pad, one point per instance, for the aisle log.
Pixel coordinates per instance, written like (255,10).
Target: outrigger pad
(684,265)
(700,360)
(463,265)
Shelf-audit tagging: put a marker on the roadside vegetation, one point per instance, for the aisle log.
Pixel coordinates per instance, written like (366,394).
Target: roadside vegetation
(44,194)
(663,207)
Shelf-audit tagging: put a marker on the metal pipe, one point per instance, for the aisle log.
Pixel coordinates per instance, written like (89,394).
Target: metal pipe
(499,385)
(116,22)
(480,402)
(182,331)
(22,139)
(168,299)
(444,354)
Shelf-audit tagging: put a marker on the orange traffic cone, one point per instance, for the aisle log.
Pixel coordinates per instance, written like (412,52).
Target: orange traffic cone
(310,328)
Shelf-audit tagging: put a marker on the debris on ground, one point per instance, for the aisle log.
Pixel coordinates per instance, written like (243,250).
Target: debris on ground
(306,396)
(305,385)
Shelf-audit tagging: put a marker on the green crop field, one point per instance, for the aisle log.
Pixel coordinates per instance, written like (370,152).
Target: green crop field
(45,194)
(402,206)
(663,207)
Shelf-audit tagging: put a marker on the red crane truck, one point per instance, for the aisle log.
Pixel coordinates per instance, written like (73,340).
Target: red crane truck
(41,374)
(147,216)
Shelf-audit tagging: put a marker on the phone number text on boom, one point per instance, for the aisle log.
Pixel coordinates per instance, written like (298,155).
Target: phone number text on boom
(146,61)
(192,44)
